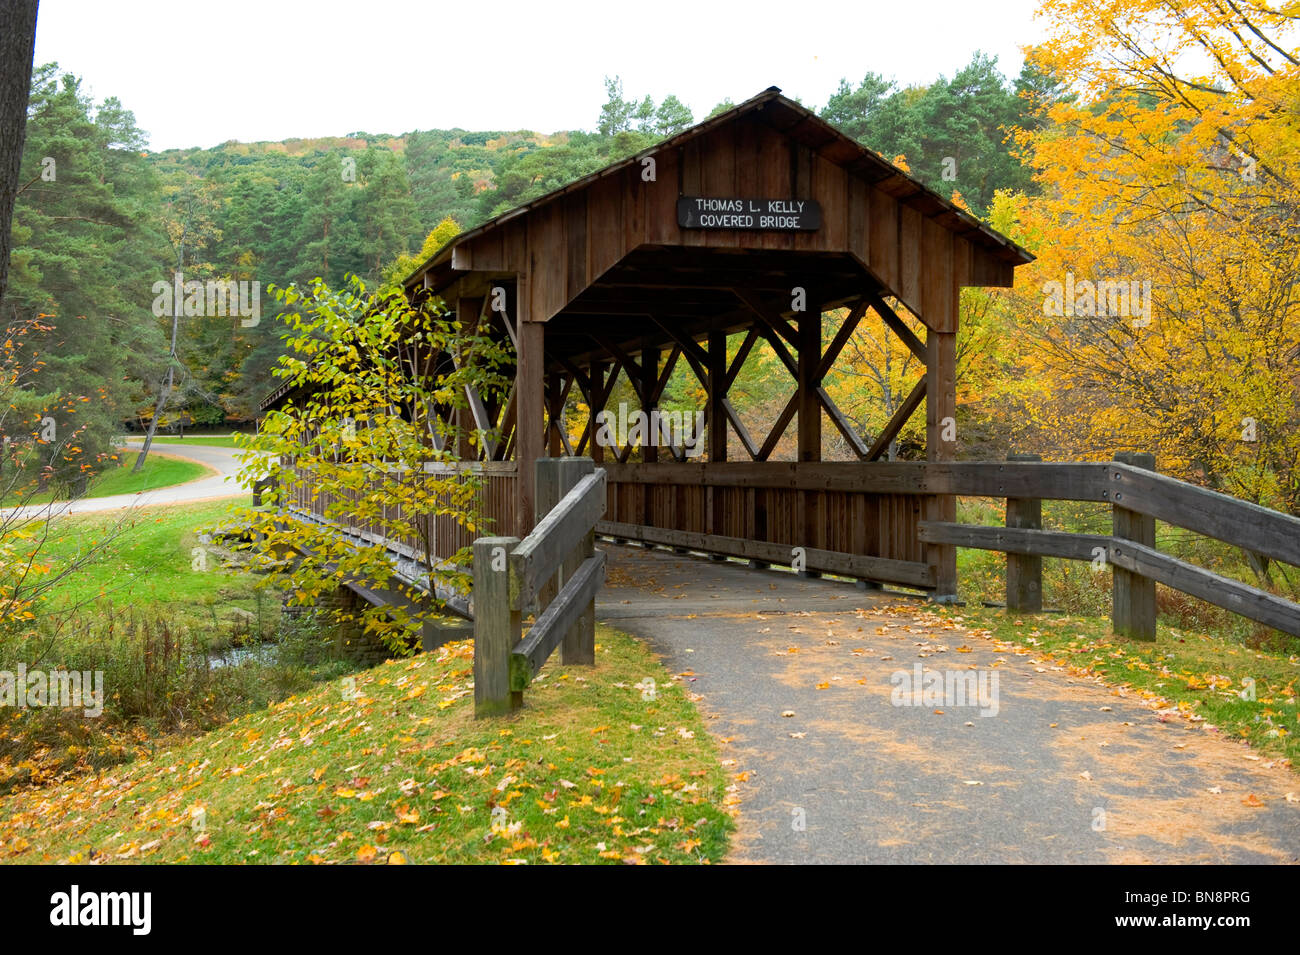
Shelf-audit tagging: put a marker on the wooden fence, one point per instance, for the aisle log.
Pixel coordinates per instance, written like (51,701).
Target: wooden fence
(555,570)
(1139,496)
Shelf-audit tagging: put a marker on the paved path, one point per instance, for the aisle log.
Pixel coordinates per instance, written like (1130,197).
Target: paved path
(1067,770)
(220,482)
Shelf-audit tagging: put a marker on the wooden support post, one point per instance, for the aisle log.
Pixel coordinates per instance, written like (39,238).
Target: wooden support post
(468,312)
(530,404)
(649,401)
(1024,573)
(717,392)
(554,415)
(1133,613)
(941,445)
(810,410)
(597,375)
(716,388)
(809,330)
(497,627)
(650,445)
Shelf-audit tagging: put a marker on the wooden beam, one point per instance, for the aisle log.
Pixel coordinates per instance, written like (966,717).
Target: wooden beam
(633,367)
(741,431)
(530,403)
(843,424)
(911,573)
(649,403)
(900,417)
(773,318)
(778,429)
(941,446)
(738,362)
(807,383)
(898,326)
(696,356)
(837,344)
(717,394)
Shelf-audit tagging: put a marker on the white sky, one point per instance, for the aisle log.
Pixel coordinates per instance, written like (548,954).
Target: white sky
(202,73)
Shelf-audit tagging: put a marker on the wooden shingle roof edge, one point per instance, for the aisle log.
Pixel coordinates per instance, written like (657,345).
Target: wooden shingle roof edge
(862,161)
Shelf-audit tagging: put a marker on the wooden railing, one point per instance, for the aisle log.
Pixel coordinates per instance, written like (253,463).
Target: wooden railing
(1139,496)
(446,532)
(556,570)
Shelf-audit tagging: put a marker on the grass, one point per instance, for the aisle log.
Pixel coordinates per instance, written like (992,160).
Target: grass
(390,766)
(154,558)
(118,479)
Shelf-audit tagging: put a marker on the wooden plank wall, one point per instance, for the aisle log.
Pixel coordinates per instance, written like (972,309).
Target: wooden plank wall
(568,243)
(860,522)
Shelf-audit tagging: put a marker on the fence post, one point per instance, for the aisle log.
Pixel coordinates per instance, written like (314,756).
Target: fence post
(1024,572)
(547,491)
(1133,612)
(497,627)
(579,646)
(557,477)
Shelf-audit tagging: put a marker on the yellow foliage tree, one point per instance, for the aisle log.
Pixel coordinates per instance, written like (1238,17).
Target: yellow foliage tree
(1162,308)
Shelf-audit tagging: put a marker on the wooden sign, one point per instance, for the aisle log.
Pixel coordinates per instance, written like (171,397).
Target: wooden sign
(761,215)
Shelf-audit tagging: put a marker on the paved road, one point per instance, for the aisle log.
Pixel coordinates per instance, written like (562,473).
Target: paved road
(1066,770)
(220,482)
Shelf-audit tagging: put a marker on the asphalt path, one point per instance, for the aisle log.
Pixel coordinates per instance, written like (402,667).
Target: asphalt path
(799,681)
(221,482)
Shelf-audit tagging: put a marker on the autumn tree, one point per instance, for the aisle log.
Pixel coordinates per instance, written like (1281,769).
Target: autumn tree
(372,389)
(1162,309)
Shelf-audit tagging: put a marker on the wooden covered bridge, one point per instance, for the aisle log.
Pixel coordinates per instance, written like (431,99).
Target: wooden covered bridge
(750,226)
(766,224)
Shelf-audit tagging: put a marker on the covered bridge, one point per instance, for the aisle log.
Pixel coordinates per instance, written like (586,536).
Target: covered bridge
(751,225)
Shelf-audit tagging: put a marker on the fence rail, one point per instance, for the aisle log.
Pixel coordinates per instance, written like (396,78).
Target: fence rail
(556,569)
(1138,496)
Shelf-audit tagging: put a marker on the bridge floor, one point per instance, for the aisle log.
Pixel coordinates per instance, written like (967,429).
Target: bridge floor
(1066,770)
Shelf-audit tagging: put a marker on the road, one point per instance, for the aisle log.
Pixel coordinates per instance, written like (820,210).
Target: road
(221,482)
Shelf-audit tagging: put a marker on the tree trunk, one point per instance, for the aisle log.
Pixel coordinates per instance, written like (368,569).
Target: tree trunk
(17,48)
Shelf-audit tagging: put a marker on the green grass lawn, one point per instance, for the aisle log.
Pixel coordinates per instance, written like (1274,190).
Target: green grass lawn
(390,766)
(153,559)
(207,440)
(385,766)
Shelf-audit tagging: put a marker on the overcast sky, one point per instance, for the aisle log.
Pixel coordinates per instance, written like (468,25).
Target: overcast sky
(199,74)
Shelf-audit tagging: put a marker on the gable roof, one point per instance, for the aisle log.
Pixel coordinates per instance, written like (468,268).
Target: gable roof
(800,124)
